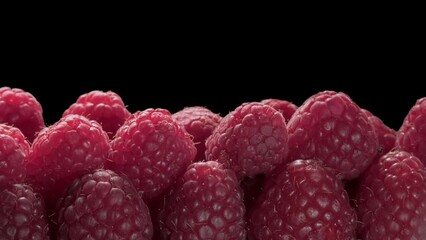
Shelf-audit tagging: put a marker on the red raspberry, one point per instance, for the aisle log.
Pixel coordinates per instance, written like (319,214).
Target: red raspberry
(411,137)
(22,214)
(64,151)
(286,108)
(103,205)
(206,204)
(200,123)
(152,149)
(14,150)
(305,200)
(107,108)
(392,198)
(330,127)
(22,110)
(250,140)
(385,135)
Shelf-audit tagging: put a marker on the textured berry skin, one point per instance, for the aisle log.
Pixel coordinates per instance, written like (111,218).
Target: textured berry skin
(22,110)
(385,135)
(151,149)
(107,108)
(103,205)
(286,108)
(305,200)
(200,123)
(330,127)
(250,140)
(392,198)
(22,214)
(206,204)
(64,151)
(14,150)
(411,136)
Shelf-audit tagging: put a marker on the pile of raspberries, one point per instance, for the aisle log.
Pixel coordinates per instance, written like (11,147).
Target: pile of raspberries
(327,169)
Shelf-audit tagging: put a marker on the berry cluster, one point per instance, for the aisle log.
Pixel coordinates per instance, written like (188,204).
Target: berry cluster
(327,169)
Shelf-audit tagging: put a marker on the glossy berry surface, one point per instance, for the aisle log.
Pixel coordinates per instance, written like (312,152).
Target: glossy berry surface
(103,205)
(206,203)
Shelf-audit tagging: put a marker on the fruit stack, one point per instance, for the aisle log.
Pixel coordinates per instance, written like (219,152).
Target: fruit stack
(327,169)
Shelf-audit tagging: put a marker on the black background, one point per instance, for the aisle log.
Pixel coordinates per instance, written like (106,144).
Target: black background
(220,66)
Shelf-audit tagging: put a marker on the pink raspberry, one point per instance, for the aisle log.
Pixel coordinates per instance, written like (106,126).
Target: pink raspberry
(22,110)
(64,151)
(207,203)
(332,128)
(22,214)
(250,140)
(103,205)
(200,123)
(14,150)
(107,108)
(392,198)
(152,149)
(305,200)
(411,136)
(286,108)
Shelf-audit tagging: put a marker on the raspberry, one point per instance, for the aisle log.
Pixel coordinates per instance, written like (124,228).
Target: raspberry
(392,198)
(64,151)
(14,150)
(385,135)
(200,123)
(107,108)
(22,214)
(22,110)
(330,127)
(305,200)
(411,136)
(286,108)
(103,205)
(206,204)
(152,149)
(250,140)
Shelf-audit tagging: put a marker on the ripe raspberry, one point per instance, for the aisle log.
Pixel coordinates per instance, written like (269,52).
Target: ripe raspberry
(14,150)
(305,200)
(22,214)
(411,137)
(107,108)
(392,198)
(385,135)
(286,108)
(103,205)
(152,149)
(330,127)
(200,123)
(206,204)
(22,110)
(250,140)
(64,151)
